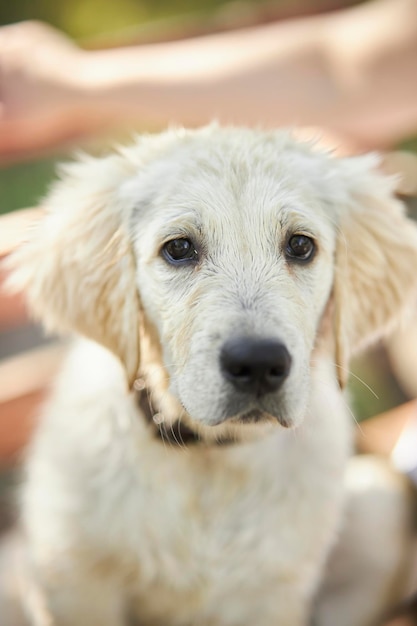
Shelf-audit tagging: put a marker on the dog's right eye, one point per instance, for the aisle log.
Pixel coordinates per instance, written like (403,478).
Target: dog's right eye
(179,250)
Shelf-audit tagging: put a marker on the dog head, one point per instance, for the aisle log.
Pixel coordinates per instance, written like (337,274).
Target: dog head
(225,249)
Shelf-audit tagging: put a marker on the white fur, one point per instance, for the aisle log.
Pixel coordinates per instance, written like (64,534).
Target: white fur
(369,568)
(231,535)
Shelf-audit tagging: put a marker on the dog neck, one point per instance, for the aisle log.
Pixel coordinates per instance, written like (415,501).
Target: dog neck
(175,432)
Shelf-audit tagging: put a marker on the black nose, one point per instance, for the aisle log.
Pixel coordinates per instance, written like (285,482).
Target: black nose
(255,365)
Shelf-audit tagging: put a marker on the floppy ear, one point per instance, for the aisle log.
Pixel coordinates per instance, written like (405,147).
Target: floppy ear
(376,261)
(78,270)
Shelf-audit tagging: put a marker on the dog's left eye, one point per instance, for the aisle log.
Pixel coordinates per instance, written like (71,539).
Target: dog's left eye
(300,247)
(178,250)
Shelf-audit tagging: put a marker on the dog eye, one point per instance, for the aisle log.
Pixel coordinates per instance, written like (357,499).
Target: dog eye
(178,250)
(300,247)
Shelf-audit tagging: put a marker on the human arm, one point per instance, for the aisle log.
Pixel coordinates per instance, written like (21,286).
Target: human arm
(352,72)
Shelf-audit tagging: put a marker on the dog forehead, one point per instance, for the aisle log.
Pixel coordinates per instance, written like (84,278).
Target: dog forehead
(223,176)
(252,166)
(226,153)
(245,181)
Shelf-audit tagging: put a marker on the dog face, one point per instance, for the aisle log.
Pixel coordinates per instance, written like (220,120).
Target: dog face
(230,244)
(234,268)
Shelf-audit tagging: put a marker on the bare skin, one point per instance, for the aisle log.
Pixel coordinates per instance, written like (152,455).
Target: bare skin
(352,72)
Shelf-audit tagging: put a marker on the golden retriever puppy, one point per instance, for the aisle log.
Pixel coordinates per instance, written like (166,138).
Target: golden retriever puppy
(188,469)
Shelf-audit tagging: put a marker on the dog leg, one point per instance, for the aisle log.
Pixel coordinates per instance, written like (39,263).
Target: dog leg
(11,605)
(368,565)
(84,602)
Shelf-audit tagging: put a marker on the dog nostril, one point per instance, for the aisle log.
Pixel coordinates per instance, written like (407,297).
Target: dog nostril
(240,372)
(255,365)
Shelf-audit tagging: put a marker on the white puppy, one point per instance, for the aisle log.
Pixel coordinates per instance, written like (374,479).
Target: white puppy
(230,273)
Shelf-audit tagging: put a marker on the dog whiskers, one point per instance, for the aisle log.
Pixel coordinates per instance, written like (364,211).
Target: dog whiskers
(346,404)
(176,435)
(355,376)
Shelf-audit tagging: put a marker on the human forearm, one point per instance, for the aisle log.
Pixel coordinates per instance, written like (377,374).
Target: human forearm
(249,76)
(350,71)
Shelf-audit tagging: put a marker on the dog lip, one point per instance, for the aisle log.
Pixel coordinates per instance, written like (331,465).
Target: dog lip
(259,416)
(252,412)
(252,416)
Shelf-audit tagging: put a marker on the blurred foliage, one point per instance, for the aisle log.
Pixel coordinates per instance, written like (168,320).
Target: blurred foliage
(85,18)
(373,388)
(409,145)
(24,184)
(88,18)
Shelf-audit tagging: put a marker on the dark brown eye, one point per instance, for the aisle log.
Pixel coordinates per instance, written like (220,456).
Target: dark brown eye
(179,250)
(300,247)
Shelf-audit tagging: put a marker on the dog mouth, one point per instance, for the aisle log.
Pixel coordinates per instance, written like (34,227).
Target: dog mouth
(258,416)
(241,413)
(253,416)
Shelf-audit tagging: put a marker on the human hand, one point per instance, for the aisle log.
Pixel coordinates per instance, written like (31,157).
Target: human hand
(42,100)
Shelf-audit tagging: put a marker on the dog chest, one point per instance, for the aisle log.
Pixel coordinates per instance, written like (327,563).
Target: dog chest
(207,520)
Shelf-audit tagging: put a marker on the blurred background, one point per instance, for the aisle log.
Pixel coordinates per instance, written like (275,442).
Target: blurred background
(98,24)
(103,24)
